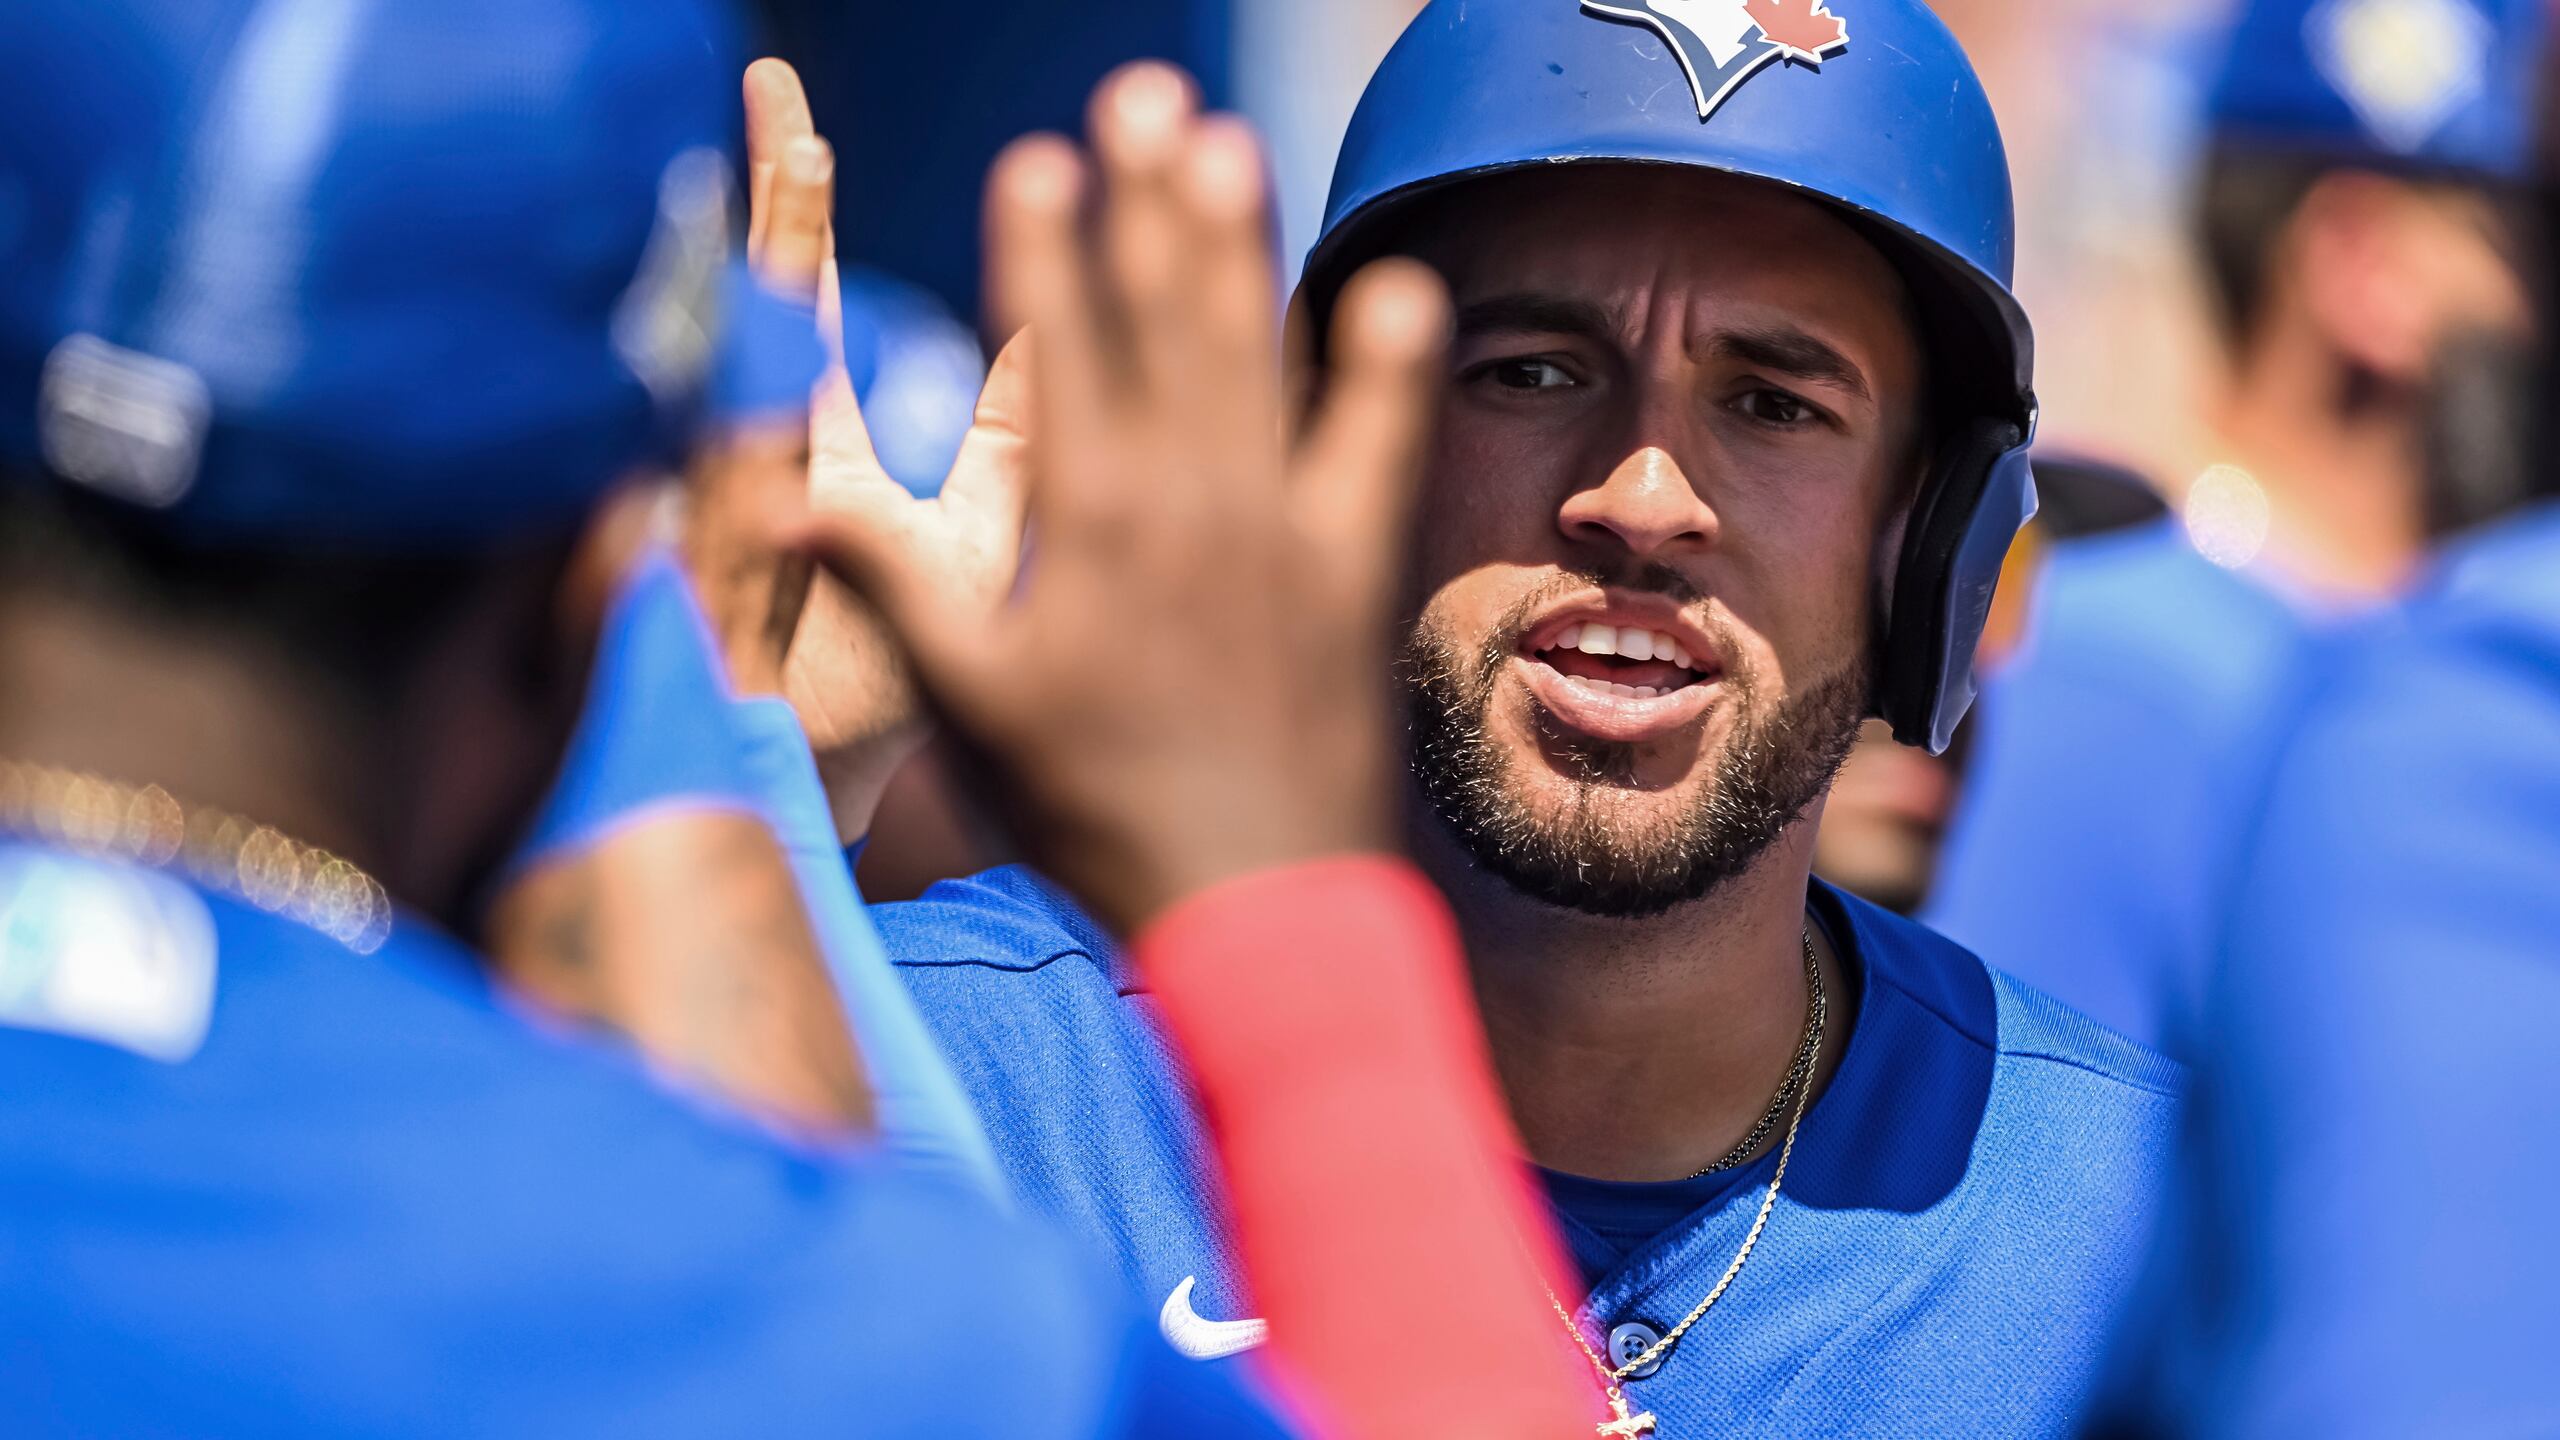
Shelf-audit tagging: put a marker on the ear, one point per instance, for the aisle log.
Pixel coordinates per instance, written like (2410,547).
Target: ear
(2361,250)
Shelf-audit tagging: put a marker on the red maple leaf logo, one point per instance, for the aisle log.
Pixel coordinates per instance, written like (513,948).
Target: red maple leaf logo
(1804,30)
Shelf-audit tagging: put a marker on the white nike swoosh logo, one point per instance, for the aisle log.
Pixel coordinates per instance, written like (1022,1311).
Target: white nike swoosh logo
(1200,1339)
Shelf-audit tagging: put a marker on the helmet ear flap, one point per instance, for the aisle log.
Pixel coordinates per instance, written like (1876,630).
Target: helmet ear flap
(1978,493)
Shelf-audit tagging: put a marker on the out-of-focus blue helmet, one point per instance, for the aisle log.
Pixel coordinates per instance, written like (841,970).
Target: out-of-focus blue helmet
(2442,86)
(1868,106)
(387,272)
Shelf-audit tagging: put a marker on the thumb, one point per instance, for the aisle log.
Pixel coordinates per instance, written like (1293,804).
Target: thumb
(991,474)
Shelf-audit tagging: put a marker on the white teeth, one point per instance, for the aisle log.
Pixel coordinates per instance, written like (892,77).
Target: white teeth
(1594,638)
(1622,692)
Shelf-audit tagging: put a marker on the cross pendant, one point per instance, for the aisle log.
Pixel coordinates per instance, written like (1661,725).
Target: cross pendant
(1625,1426)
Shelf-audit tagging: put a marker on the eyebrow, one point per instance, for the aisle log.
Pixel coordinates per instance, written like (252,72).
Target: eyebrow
(1792,352)
(1780,348)
(1545,314)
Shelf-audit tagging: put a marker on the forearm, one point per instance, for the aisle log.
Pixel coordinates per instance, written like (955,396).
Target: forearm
(1324,1011)
(652,896)
(923,1114)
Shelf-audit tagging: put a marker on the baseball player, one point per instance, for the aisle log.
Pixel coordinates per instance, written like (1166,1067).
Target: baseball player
(2389,969)
(1732,441)
(2353,219)
(2430,958)
(2422,983)
(2387,966)
(337,345)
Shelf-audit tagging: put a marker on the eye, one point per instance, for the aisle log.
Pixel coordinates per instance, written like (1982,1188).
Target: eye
(1525,373)
(1776,407)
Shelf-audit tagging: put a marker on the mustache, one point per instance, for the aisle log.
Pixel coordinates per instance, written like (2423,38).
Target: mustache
(1646,577)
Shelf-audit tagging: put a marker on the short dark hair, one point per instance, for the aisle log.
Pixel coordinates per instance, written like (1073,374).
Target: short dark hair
(352,620)
(2245,197)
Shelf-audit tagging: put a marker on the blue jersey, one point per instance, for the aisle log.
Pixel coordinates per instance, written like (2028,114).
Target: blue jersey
(2372,1249)
(1968,1202)
(2102,792)
(253,1183)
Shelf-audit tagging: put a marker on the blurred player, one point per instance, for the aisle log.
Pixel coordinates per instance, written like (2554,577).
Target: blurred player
(2370,1250)
(350,339)
(2353,221)
(2389,970)
(1731,445)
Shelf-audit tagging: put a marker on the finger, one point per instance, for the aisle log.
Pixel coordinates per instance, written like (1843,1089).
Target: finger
(840,451)
(1361,465)
(797,228)
(1140,121)
(1039,281)
(1298,365)
(777,109)
(990,478)
(1234,301)
(759,208)
(1035,269)
(777,113)
(831,302)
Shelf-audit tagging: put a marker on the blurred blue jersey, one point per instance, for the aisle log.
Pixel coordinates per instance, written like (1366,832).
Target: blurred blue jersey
(2371,1252)
(2110,774)
(253,1183)
(1968,1202)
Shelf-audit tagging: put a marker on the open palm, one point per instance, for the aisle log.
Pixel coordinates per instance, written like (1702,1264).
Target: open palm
(844,674)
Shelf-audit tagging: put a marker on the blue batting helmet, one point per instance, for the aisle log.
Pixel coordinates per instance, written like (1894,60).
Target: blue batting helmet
(388,272)
(2437,86)
(1867,105)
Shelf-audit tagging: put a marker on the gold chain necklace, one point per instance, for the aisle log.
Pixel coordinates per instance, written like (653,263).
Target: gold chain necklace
(1799,1073)
(1624,1422)
(145,825)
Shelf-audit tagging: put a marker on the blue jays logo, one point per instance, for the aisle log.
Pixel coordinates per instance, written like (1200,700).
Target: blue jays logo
(1721,43)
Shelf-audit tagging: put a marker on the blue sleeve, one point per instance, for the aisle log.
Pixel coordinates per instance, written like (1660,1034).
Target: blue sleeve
(660,731)
(2378,1138)
(656,730)
(925,1117)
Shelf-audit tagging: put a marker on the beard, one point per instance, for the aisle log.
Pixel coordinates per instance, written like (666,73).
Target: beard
(1604,851)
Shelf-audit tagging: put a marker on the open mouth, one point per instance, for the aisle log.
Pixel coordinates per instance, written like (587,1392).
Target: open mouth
(1618,682)
(1624,661)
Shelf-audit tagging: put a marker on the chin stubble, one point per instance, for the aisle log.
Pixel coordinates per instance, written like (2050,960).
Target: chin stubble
(1590,855)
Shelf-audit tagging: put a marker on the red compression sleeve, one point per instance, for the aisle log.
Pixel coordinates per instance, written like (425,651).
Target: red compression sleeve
(1391,1234)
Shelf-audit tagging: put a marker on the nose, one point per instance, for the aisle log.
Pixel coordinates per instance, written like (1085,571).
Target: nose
(1646,506)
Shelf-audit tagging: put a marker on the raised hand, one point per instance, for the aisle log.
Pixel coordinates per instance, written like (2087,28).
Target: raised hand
(1191,681)
(844,674)
(740,492)
(679,922)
